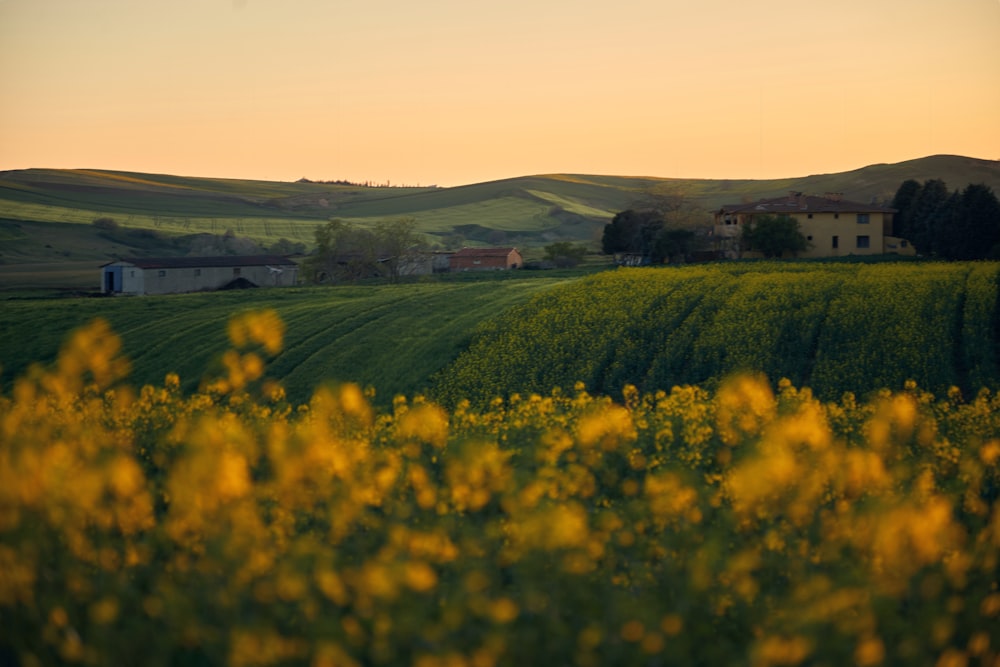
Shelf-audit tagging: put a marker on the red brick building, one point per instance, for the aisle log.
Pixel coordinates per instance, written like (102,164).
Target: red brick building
(486,259)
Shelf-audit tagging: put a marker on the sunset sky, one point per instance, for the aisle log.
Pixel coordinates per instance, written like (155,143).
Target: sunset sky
(450,92)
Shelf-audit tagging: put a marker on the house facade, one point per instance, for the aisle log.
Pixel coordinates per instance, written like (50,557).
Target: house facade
(173,275)
(486,259)
(832,225)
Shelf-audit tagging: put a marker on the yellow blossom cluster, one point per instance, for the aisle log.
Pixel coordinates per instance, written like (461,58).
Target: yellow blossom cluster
(747,525)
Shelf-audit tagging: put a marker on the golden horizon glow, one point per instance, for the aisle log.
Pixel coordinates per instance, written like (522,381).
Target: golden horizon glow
(447,92)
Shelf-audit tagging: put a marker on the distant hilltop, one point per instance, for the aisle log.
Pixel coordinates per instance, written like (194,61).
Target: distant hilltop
(527,212)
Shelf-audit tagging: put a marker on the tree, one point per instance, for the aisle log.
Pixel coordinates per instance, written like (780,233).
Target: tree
(565,254)
(343,252)
(633,232)
(347,252)
(903,202)
(930,202)
(774,235)
(945,228)
(673,243)
(675,208)
(284,246)
(968,227)
(953,225)
(398,246)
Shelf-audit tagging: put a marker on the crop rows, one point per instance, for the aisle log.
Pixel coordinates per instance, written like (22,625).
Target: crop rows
(832,327)
(740,526)
(391,338)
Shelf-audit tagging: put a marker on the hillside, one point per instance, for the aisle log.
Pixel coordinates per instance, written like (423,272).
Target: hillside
(831,326)
(834,327)
(529,211)
(391,337)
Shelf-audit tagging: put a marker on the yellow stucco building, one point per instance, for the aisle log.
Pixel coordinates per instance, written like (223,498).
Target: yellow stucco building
(833,226)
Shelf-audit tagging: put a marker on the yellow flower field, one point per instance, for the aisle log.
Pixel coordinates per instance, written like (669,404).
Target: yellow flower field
(741,526)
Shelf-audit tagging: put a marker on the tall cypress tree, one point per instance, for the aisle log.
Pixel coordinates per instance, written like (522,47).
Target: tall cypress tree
(928,204)
(979,235)
(903,202)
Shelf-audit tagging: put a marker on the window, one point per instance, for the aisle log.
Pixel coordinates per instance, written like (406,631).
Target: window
(131,274)
(161,273)
(197,272)
(809,238)
(236,271)
(864,241)
(836,241)
(862,218)
(836,216)
(809,215)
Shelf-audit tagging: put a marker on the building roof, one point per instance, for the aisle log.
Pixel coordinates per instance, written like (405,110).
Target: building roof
(484,252)
(796,202)
(224,261)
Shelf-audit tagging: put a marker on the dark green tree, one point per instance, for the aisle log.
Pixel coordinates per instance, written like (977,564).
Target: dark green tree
(952,225)
(673,245)
(929,204)
(970,227)
(632,231)
(946,228)
(565,254)
(903,201)
(774,236)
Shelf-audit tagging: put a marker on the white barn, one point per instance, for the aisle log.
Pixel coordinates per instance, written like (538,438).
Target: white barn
(173,275)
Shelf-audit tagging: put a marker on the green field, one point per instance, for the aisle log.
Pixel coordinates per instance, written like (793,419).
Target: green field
(738,524)
(390,337)
(834,327)
(741,520)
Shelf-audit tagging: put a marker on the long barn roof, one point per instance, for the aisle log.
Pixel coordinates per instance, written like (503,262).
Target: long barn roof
(224,261)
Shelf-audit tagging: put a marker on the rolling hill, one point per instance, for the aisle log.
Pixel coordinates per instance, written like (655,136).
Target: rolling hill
(391,337)
(45,214)
(832,326)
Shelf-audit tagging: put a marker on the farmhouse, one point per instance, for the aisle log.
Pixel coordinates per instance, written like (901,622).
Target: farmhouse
(833,226)
(171,275)
(486,259)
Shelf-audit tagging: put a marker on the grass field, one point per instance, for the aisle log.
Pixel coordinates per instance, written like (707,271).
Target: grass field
(740,525)
(834,327)
(391,337)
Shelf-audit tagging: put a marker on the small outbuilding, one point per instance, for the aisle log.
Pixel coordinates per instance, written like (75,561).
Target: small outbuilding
(173,275)
(486,259)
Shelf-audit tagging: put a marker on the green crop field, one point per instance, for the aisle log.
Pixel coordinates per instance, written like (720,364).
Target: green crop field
(737,523)
(834,327)
(392,338)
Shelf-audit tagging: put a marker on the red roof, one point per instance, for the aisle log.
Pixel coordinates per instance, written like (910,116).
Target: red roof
(204,262)
(484,252)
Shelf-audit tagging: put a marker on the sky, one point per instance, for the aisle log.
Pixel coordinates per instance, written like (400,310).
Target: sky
(449,92)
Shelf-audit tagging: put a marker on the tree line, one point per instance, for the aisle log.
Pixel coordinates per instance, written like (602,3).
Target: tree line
(961,225)
(659,228)
(958,225)
(346,252)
